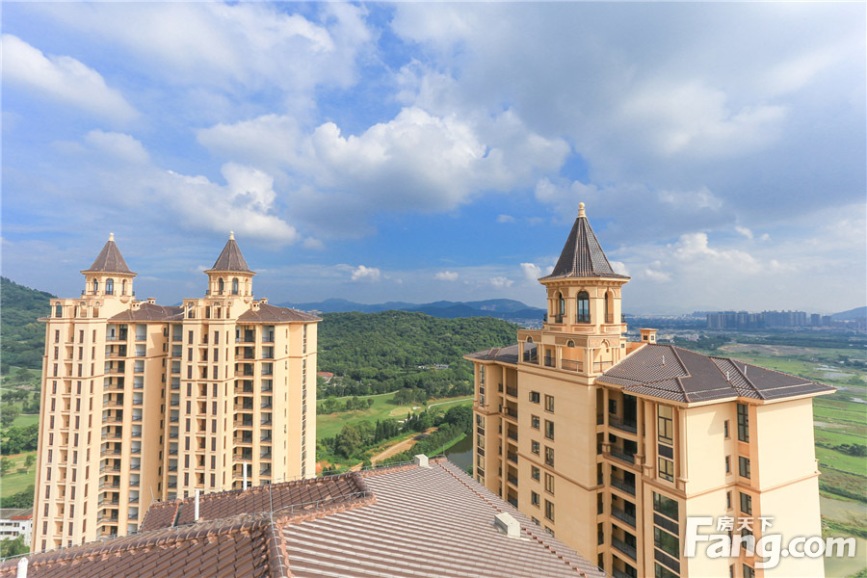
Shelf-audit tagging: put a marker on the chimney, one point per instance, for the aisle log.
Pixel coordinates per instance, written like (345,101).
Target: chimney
(421,461)
(648,335)
(196,516)
(506,524)
(22,568)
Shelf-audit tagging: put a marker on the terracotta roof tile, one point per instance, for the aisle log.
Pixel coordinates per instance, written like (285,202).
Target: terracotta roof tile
(151,312)
(231,259)
(272,314)
(109,260)
(582,255)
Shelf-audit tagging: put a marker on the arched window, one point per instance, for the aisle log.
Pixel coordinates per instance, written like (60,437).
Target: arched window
(609,310)
(583,307)
(570,343)
(58,310)
(109,286)
(561,308)
(235,286)
(95,286)
(123,287)
(529,340)
(220,286)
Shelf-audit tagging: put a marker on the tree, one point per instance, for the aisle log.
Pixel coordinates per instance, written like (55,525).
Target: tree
(14,547)
(8,413)
(29,461)
(6,465)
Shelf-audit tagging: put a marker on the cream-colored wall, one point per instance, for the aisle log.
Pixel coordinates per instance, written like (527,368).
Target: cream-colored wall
(794,511)
(707,447)
(784,443)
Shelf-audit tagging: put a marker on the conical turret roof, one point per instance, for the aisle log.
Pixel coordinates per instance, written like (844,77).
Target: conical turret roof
(231,258)
(582,255)
(109,260)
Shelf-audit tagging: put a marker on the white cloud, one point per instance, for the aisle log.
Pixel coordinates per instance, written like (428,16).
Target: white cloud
(62,78)
(362,273)
(501,282)
(619,267)
(446,276)
(532,272)
(119,145)
(505,219)
(744,231)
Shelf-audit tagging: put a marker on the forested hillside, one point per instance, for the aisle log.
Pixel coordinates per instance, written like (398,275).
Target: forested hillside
(22,337)
(380,352)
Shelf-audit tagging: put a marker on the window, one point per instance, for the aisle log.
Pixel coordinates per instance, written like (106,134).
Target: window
(662,572)
(744,467)
(561,308)
(534,447)
(665,424)
(549,403)
(666,469)
(583,307)
(549,429)
(534,396)
(726,429)
(728,500)
(549,510)
(109,286)
(534,499)
(743,423)
(666,542)
(535,473)
(235,286)
(749,572)
(728,464)
(549,456)
(549,483)
(746,503)
(534,421)
(665,506)
(221,286)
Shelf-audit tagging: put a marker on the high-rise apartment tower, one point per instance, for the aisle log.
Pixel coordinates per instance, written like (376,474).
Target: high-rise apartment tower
(614,445)
(143,402)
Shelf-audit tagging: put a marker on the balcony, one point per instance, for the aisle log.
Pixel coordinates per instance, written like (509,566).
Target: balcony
(513,480)
(623,455)
(623,515)
(512,391)
(624,547)
(623,486)
(512,457)
(622,424)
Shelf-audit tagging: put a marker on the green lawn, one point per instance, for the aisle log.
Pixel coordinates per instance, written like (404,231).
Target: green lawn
(25,419)
(329,425)
(17,481)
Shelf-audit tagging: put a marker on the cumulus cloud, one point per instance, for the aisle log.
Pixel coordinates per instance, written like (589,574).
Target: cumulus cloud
(446,276)
(505,219)
(363,273)
(119,145)
(501,282)
(62,78)
(532,272)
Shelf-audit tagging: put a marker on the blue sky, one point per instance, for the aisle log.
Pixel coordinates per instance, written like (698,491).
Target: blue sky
(418,152)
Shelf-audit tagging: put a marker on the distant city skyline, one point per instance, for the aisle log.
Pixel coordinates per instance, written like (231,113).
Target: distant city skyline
(413,152)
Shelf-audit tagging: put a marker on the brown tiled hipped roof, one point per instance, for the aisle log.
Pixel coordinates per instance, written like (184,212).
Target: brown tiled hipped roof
(582,255)
(391,522)
(675,374)
(230,258)
(109,260)
(272,314)
(150,312)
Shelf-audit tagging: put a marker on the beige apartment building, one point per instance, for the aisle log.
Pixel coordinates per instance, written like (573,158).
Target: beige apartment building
(613,445)
(143,402)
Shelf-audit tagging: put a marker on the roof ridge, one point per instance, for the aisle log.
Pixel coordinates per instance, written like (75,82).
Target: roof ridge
(743,374)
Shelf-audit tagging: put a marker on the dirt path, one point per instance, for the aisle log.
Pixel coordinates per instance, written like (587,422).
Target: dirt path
(398,448)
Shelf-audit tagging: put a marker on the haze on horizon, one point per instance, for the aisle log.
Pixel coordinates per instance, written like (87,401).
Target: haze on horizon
(421,152)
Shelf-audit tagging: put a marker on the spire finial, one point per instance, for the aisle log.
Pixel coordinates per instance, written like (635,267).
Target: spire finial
(581,210)
(231,235)
(111,237)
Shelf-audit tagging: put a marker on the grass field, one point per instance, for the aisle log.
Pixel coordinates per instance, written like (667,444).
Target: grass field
(329,425)
(17,481)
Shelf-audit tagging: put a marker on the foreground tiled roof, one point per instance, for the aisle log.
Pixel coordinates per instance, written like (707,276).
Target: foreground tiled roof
(273,314)
(230,258)
(109,260)
(582,255)
(507,354)
(675,374)
(150,312)
(392,522)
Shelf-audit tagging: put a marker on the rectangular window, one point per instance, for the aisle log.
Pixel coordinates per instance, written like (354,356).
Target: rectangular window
(666,542)
(743,422)
(749,572)
(549,456)
(666,469)
(726,429)
(728,500)
(549,483)
(534,499)
(665,506)
(728,464)
(549,429)
(665,424)
(534,396)
(549,510)
(535,473)
(534,447)
(549,403)
(744,467)
(746,503)
(534,421)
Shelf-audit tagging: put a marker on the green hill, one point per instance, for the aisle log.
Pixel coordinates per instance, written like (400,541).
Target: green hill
(22,337)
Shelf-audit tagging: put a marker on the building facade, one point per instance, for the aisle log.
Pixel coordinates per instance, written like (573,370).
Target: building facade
(612,445)
(143,402)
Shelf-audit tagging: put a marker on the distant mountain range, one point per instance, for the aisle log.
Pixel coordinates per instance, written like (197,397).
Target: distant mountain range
(507,309)
(851,315)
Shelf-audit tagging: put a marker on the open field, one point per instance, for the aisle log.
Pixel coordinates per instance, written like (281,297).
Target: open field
(17,481)
(329,425)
